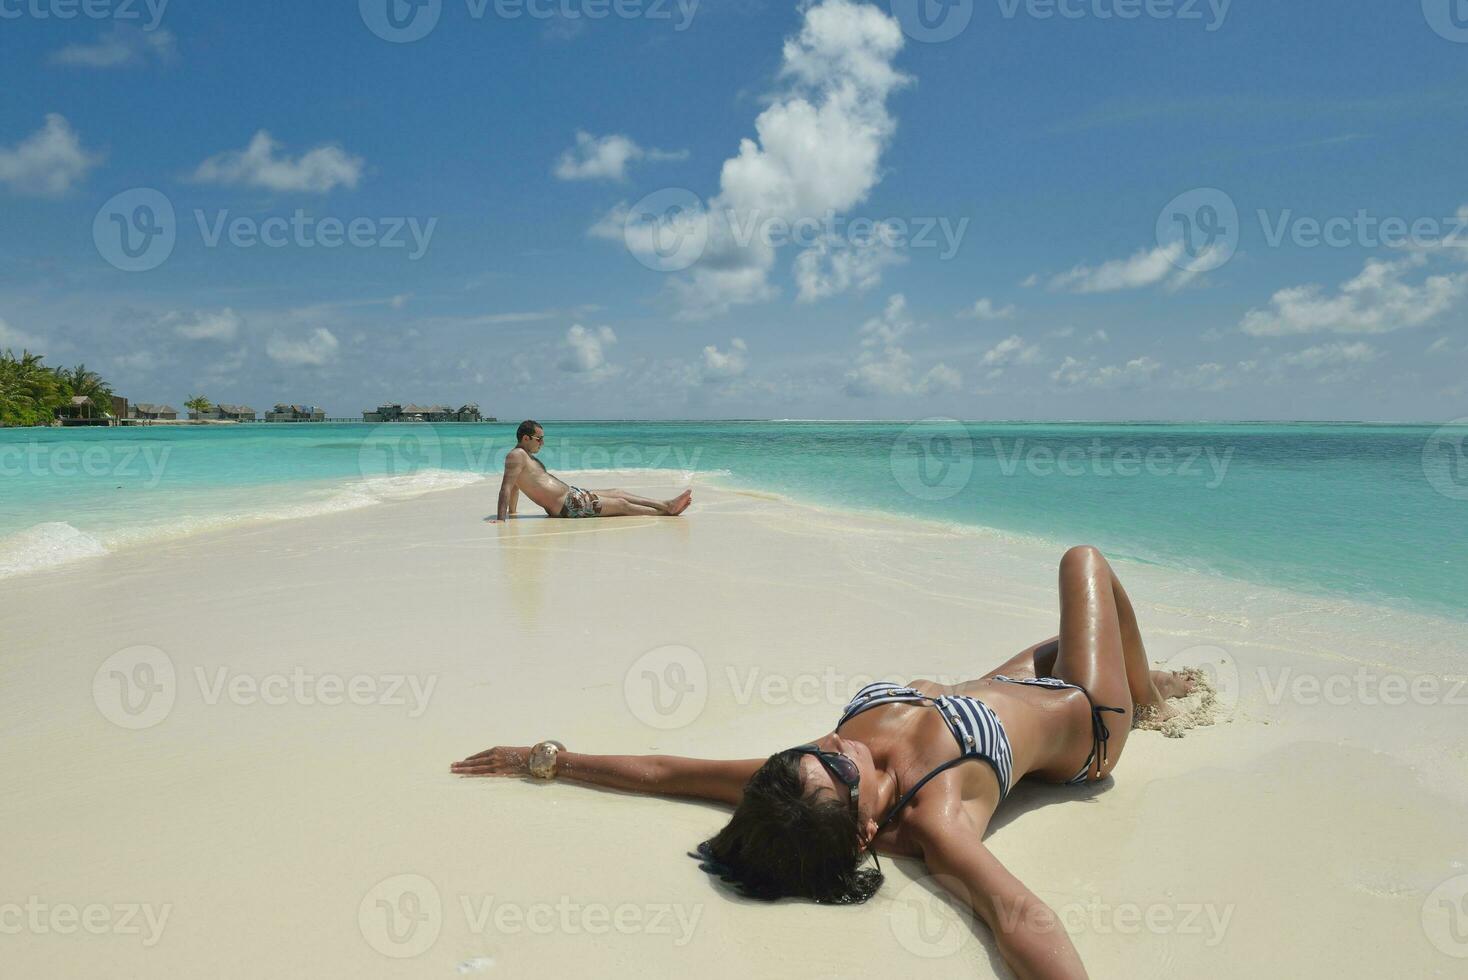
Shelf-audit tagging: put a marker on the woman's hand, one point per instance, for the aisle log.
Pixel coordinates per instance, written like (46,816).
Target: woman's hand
(502,760)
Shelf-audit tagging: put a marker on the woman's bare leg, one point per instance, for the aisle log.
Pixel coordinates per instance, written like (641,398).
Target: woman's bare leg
(1100,645)
(1035,661)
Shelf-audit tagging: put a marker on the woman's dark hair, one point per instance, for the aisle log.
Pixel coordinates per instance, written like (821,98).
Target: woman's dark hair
(783,841)
(527,428)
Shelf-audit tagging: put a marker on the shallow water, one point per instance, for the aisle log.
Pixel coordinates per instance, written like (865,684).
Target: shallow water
(1371,512)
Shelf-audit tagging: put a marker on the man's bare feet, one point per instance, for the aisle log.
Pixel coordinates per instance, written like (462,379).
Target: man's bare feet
(680,503)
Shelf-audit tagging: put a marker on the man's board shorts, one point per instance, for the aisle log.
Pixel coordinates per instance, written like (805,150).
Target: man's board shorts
(581,503)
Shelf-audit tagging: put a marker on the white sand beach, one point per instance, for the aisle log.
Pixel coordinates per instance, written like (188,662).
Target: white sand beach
(227,755)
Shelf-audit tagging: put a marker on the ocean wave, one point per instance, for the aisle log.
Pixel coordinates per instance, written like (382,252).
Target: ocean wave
(45,546)
(57,543)
(643,475)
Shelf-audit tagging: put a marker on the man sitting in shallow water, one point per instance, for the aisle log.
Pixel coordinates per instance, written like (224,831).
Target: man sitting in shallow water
(526,474)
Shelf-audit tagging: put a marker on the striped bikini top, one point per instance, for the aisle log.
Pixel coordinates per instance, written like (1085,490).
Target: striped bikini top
(975,727)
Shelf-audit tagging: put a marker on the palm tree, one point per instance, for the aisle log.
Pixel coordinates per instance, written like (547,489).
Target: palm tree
(198,404)
(31,392)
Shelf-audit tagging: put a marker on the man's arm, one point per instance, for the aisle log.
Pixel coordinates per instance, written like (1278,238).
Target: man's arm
(663,775)
(510,485)
(1031,938)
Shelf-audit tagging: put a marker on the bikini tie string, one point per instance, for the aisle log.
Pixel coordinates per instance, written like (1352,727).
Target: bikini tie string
(1100,732)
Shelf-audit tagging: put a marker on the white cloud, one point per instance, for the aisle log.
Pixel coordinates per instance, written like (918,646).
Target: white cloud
(817,149)
(48,162)
(891,327)
(584,351)
(1010,350)
(1213,376)
(1438,346)
(984,309)
(1378,300)
(13,338)
(315,349)
(137,362)
(125,47)
(1147,267)
(832,266)
(1074,373)
(606,157)
(883,367)
(1333,362)
(718,365)
(258,165)
(204,325)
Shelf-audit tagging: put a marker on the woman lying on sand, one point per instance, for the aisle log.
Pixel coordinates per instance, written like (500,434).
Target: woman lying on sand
(887,781)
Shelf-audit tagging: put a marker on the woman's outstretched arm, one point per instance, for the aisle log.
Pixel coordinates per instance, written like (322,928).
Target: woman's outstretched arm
(1031,938)
(663,775)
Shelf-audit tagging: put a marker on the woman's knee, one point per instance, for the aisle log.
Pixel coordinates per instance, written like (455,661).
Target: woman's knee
(1082,556)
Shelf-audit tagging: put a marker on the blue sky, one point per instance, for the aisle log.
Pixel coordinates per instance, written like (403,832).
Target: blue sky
(561,212)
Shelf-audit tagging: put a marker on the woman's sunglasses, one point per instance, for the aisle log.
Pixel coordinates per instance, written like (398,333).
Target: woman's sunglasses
(839,766)
(844,771)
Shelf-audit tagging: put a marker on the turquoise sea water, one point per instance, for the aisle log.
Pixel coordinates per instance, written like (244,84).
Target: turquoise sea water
(1372,512)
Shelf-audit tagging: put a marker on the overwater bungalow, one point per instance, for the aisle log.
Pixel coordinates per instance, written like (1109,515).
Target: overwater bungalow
(296,413)
(423,413)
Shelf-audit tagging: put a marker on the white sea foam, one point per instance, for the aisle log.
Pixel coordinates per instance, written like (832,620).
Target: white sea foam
(56,543)
(46,545)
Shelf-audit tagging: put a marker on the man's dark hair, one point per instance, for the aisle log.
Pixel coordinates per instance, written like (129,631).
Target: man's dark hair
(527,428)
(783,842)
